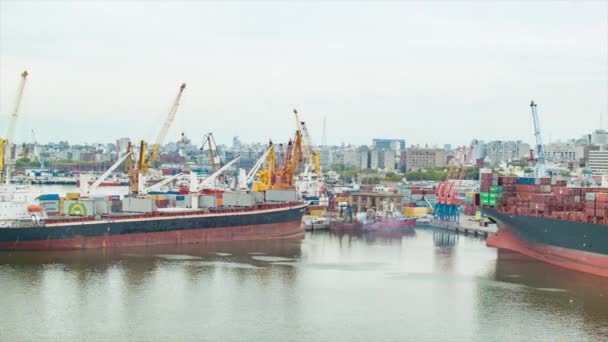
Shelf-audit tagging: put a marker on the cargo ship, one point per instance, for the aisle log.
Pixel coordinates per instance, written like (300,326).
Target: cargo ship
(549,221)
(93,223)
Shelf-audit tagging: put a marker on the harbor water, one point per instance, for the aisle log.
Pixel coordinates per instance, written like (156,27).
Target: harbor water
(424,286)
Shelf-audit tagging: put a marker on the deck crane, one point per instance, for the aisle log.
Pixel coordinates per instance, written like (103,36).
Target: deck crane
(5,144)
(285,176)
(312,156)
(247,179)
(267,174)
(209,140)
(207,182)
(86,189)
(146,160)
(540,153)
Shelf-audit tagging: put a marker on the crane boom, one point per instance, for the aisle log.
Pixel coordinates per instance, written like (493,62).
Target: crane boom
(207,181)
(165,128)
(312,156)
(6,143)
(540,153)
(299,127)
(95,185)
(162,183)
(258,164)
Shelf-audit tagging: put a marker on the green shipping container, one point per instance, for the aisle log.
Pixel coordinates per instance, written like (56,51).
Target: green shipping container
(484,195)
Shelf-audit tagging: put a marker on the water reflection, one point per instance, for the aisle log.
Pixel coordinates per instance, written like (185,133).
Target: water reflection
(431,285)
(572,305)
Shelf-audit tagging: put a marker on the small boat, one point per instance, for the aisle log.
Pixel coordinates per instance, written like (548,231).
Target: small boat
(345,226)
(388,224)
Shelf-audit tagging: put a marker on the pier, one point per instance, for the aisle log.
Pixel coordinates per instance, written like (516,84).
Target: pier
(466,225)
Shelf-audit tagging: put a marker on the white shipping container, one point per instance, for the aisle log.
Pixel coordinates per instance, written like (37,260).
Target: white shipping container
(258,196)
(102,207)
(207,201)
(50,206)
(238,199)
(281,196)
(137,205)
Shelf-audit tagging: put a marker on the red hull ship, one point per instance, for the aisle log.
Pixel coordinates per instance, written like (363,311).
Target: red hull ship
(261,222)
(553,223)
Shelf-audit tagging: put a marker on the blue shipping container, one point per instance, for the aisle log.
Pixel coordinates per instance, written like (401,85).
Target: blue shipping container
(49,197)
(180,198)
(525,180)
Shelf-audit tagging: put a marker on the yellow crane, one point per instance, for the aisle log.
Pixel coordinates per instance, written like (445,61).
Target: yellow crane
(146,160)
(285,176)
(5,144)
(312,155)
(266,175)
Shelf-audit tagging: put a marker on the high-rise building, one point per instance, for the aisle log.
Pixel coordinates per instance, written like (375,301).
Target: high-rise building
(598,161)
(499,151)
(389,144)
(599,137)
(423,158)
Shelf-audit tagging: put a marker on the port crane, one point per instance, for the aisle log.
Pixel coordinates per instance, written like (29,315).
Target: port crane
(246,179)
(267,174)
(5,144)
(86,189)
(446,208)
(145,161)
(540,153)
(312,155)
(209,140)
(285,176)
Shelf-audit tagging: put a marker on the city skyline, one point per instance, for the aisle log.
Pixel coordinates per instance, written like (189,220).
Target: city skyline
(427,73)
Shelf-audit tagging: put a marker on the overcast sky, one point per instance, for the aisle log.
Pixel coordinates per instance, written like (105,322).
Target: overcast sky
(434,72)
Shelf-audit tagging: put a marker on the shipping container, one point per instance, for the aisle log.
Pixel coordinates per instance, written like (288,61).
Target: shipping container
(207,201)
(72,195)
(102,207)
(281,196)
(259,197)
(238,199)
(49,197)
(50,206)
(138,205)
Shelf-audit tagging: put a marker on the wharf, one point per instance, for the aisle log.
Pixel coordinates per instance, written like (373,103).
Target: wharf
(466,225)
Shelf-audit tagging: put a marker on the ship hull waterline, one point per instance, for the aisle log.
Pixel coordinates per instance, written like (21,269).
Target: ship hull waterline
(513,237)
(278,224)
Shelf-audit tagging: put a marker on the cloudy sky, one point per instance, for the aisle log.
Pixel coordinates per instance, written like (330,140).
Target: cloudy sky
(434,72)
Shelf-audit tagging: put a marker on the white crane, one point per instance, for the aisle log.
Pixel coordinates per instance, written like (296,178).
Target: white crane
(248,179)
(159,185)
(85,189)
(540,153)
(211,178)
(5,144)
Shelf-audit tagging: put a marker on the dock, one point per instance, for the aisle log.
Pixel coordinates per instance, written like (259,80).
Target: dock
(466,225)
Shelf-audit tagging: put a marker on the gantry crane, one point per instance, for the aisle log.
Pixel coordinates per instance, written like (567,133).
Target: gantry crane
(5,144)
(146,160)
(540,153)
